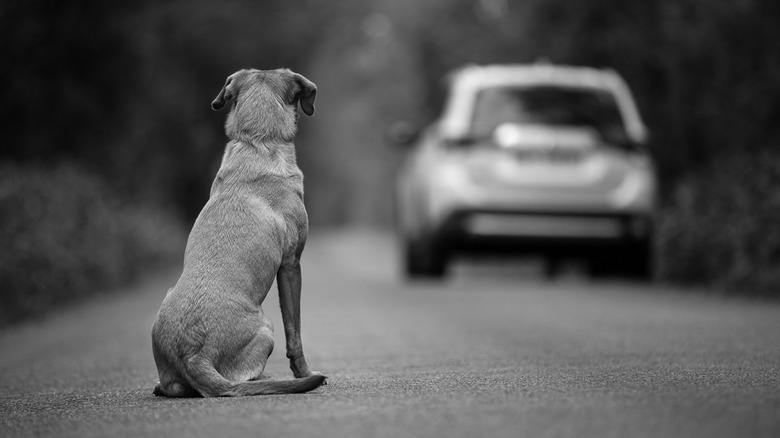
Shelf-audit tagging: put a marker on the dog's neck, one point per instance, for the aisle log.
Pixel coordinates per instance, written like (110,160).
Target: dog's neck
(261,116)
(261,129)
(248,161)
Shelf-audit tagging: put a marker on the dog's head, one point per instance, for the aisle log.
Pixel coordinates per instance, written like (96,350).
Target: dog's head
(265,102)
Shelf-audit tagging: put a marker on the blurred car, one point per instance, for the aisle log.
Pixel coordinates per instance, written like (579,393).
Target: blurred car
(541,159)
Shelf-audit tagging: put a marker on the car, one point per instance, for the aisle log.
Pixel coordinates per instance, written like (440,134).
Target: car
(540,159)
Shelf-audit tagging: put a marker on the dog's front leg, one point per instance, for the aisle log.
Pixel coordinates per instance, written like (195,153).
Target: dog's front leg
(289,281)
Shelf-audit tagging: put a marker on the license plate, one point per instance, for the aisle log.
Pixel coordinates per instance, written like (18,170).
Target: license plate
(562,156)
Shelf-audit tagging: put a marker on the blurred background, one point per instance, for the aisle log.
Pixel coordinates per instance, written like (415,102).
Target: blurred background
(109,145)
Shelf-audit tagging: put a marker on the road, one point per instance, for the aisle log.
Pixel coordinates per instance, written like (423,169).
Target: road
(495,351)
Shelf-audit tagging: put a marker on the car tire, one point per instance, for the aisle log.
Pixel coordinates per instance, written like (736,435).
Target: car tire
(633,262)
(552,267)
(600,265)
(637,262)
(424,258)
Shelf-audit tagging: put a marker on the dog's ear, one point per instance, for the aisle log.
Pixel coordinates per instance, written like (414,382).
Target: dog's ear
(227,93)
(304,91)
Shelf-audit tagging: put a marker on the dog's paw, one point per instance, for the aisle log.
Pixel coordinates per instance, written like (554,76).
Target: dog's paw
(317,373)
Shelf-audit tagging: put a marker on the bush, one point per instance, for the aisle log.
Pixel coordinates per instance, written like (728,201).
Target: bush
(722,227)
(64,235)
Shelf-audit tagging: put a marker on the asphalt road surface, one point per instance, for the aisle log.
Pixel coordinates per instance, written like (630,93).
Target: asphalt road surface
(495,351)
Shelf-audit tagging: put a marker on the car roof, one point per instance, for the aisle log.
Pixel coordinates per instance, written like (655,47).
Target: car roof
(467,81)
(533,74)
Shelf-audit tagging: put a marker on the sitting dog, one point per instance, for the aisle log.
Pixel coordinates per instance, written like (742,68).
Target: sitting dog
(211,337)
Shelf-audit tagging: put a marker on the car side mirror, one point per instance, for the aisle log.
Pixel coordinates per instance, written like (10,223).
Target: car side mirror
(402,132)
(460,141)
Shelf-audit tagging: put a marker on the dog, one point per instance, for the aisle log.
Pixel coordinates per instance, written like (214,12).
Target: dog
(210,337)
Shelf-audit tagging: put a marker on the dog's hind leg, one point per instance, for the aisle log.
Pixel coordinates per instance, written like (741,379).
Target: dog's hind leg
(172,384)
(261,348)
(174,389)
(252,340)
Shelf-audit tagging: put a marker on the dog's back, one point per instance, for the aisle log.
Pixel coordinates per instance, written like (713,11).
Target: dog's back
(210,336)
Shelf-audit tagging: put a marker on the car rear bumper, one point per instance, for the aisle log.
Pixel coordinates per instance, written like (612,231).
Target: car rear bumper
(542,232)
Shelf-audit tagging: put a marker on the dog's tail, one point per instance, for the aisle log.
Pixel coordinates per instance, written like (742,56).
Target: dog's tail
(209,383)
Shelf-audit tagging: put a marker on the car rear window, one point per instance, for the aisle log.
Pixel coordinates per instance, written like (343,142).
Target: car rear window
(547,105)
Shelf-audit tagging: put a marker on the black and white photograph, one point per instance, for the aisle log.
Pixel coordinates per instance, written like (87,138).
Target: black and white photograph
(390,218)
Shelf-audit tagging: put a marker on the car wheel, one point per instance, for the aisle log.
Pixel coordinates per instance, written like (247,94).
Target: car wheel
(637,262)
(552,267)
(600,265)
(631,262)
(424,258)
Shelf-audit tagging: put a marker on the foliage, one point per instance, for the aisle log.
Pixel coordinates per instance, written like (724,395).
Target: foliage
(722,227)
(64,235)
(703,73)
(123,89)
(62,62)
